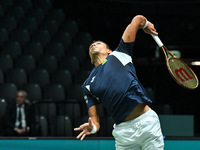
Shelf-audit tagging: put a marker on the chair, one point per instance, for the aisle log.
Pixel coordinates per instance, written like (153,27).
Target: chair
(43,125)
(49,25)
(16,11)
(62,77)
(76,92)
(39,76)
(69,26)
(81,76)
(37,13)
(84,109)
(1,11)
(25,4)
(73,110)
(16,76)
(56,49)
(78,51)
(109,125)
(20,35)
(101,110)
(45,5)
(28,23)
(64,38)
(84,38)
(54,92)
(56,14)
(12,48)
(106,123)
(3,36)
(26,62)
(48,62)
(9,23)
(48,110)
(3,105)
(80,120)
(64,126)
(150,93)
(6,62)
(87,65)
(8,91)
(61,126)
(6,3)
(34,91)
(42,36)
(1,76)
(70,63)
(103,126)
(34,48)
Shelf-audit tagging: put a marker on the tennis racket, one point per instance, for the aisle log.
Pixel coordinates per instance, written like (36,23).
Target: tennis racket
(179,70)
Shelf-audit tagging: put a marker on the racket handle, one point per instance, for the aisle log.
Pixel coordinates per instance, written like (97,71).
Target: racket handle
(157,40)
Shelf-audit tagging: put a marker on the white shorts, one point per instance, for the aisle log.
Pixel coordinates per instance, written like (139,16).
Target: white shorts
(141,133)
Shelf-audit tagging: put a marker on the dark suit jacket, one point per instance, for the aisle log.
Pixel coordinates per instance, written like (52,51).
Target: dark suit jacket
(10,116)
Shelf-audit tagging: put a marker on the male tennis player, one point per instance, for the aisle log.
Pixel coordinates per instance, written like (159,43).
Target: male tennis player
(114,83)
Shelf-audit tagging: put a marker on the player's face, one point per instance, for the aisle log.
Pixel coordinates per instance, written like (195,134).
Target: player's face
(97,48)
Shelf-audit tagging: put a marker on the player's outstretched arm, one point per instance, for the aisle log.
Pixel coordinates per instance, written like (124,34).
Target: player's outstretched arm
(137,23)
(89,127)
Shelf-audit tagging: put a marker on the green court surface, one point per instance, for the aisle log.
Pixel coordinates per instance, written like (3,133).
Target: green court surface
(89,144)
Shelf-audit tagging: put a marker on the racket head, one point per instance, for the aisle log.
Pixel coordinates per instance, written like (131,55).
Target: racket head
(182,73)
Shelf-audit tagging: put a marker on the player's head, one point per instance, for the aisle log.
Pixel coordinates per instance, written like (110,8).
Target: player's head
(98,48)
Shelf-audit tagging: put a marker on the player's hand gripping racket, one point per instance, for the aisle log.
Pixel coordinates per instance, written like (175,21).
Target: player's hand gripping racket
(179,70)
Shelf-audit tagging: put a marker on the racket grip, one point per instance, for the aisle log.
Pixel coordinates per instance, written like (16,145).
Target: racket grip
(157,40)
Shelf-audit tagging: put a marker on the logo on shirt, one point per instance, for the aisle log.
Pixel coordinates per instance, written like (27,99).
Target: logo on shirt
(92,79)
(104,61)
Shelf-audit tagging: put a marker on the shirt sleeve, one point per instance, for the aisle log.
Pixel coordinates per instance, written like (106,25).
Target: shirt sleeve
(89,98)
(126,48)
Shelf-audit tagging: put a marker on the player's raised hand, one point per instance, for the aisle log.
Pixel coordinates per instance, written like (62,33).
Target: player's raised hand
(86,129)
(150,29)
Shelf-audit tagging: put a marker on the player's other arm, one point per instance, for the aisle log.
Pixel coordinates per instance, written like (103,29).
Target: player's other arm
(137,23)
(89,127)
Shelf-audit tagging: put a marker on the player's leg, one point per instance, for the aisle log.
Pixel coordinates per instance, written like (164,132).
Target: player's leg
(126,136)
(152,138)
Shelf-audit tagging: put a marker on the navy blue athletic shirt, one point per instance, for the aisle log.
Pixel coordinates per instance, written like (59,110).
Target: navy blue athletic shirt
(114,83)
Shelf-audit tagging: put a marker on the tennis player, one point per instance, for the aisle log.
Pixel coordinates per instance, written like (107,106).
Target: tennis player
(114,83)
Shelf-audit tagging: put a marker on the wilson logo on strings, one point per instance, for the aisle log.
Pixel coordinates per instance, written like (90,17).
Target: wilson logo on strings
(182,74)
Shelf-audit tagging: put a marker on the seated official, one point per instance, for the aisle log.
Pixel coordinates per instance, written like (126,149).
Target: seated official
(19,117)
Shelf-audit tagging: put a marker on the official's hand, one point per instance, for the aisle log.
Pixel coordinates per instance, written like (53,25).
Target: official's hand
(150,29)
(20,131)
(86,129)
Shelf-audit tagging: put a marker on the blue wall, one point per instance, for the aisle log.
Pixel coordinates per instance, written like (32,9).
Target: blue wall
(67,144)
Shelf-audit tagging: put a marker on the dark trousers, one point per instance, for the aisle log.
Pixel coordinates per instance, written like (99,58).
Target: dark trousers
(12,132)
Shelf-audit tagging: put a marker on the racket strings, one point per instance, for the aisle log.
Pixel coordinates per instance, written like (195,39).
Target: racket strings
(182,73)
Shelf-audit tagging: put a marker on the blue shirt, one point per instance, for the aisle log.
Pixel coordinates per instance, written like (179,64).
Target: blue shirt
(114,83)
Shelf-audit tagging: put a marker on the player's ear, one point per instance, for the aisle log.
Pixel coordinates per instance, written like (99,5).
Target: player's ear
(109,51)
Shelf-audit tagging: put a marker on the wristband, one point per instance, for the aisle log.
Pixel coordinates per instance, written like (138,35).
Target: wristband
(146,24)
(94,130)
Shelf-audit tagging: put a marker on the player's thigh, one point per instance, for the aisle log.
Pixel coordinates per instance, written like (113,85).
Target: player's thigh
(127,147)
(152,138)
(124,138)
(154,144)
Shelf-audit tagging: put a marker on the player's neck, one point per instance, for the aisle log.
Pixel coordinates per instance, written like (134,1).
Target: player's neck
(99,60)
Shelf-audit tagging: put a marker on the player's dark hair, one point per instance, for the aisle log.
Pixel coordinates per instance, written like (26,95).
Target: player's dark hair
(107,46)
